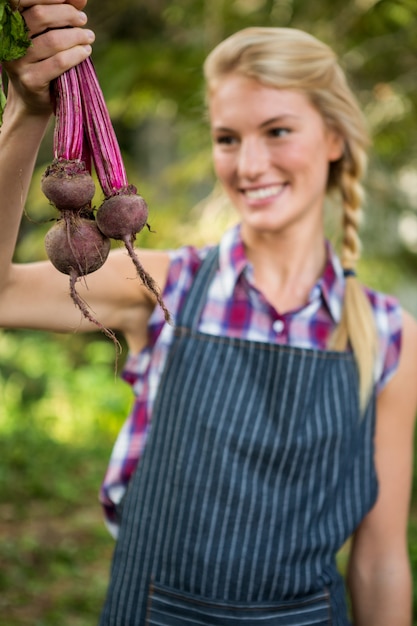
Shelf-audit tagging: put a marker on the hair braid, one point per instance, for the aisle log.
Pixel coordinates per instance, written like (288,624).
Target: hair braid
(357,325)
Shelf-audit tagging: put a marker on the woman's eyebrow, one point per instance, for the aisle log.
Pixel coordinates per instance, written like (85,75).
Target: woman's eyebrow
(278,119)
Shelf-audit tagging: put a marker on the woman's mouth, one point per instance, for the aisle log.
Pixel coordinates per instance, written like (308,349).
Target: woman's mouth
(263,193)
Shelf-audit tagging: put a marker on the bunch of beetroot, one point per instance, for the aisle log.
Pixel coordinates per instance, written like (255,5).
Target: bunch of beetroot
(79,242)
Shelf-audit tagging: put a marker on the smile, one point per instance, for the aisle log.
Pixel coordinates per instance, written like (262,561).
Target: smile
(263,192)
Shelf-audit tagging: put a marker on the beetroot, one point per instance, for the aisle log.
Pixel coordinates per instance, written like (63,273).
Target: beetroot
(68,185)
(67,182)
(75,245)
(79,243)
(122,216)
(123,213)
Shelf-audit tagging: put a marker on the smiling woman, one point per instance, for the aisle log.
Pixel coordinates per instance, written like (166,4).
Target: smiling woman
(324,142)
(273,156)
(273,418)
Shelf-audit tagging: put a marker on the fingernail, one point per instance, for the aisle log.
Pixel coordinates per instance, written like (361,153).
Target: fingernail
(82,16)
(88,49)
(90,35)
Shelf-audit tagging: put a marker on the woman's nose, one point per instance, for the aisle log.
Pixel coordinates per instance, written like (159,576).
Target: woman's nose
(253,158)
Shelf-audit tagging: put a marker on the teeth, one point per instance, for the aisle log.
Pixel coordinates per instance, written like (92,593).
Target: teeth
(260,194)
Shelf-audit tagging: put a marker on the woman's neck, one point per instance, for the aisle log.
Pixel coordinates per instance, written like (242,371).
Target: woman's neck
(286,266)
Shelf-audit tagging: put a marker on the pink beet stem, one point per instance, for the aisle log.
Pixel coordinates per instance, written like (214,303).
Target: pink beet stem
(68,133)
(104,147)
(86,153)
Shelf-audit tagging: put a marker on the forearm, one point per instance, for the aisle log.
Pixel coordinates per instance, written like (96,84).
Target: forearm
(20,138)
(382,597)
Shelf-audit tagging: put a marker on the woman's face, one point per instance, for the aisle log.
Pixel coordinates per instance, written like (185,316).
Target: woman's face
(271,151)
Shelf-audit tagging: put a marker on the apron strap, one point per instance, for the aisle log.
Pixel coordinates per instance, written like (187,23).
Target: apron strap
(190,312)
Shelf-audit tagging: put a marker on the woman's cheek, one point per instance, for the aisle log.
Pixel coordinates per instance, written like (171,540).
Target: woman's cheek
(222,165)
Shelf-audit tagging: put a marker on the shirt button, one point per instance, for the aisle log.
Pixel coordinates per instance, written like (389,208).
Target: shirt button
(278,326)
(315,293)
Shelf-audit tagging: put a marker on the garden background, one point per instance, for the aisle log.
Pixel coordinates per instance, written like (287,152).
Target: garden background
(61,404)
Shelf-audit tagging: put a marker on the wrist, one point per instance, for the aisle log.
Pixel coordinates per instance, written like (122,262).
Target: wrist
(19,108)
(21,134)
(18,114)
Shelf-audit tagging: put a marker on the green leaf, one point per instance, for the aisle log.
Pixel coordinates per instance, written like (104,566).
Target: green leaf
(14,41)
(14,37)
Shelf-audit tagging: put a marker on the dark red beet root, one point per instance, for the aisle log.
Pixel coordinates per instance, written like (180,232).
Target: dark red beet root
(76,247)
(122,216)
(75,243)
(68,185)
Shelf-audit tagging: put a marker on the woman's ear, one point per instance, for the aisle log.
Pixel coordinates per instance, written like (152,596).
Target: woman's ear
(336,145)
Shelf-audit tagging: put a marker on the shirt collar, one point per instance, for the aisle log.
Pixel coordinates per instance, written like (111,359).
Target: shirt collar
(233,264)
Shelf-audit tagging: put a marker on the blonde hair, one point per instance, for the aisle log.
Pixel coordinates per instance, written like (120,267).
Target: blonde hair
(287,58)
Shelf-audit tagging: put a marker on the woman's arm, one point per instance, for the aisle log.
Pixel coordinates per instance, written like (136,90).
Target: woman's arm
(36,295)
(379,576)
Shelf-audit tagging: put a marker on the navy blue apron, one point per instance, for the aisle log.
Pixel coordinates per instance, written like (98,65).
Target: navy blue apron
(257,469)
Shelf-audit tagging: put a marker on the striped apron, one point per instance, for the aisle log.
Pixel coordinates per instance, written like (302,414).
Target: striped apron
(257,469)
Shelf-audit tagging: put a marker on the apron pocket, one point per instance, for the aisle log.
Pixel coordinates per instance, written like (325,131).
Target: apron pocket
(169,607)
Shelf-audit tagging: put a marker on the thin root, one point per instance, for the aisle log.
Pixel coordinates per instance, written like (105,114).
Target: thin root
(147,280)
(82,305)
(148,226)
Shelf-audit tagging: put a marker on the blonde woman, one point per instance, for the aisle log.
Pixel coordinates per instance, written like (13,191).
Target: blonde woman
(274,419)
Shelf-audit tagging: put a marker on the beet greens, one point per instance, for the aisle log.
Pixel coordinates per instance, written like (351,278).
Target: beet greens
(14,41)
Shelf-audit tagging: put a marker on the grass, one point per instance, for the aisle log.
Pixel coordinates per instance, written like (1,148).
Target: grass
(55,551)
(60,409)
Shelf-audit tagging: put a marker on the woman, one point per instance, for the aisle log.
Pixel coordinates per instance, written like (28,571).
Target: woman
(281,404)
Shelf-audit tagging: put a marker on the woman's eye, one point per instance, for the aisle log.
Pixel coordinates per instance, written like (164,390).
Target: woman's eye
(279,132)
(226,140)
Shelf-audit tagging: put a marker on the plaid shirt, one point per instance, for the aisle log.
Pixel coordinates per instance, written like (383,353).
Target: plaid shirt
(235,308)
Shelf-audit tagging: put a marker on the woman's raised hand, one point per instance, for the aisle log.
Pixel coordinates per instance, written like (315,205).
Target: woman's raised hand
(59,41)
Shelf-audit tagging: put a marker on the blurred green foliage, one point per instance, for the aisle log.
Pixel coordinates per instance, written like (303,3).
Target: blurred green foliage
(149,57)
(61,403)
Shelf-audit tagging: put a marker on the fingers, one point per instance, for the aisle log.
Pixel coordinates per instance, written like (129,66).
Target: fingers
(49,69)
(39,73)
(51,54)
(41,17)
(55,42)
(22,5)
(31,81)
(59,42)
